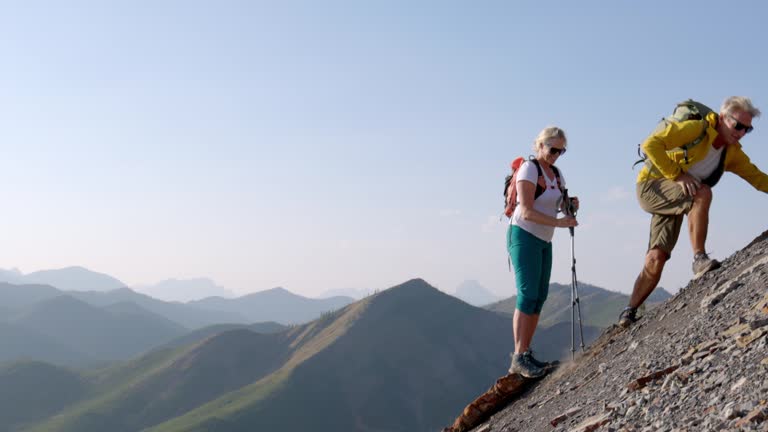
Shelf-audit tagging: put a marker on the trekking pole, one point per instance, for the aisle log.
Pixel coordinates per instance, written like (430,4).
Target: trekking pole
(569,210)
(575,303)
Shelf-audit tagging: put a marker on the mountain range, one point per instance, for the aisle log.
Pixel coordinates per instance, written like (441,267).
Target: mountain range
(276,304)
(77,278)
(412,349)
(66,279)
(76,328)
(404,359)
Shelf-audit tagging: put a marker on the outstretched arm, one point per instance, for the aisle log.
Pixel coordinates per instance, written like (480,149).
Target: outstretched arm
(744,168)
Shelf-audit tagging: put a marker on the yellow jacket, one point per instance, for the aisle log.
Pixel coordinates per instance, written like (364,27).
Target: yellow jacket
(668,161)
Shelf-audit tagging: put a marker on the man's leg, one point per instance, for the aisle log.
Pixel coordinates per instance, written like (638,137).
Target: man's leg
(698,218)
(667,203)
(649,277)
(698,224)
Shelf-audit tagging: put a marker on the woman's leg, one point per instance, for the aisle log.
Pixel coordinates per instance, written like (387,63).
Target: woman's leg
(528,322)
(524,326)
(525,251)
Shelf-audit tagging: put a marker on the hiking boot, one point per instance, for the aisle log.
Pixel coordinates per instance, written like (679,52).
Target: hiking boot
(628,316)
(537,363)
(702,263)
(521,364)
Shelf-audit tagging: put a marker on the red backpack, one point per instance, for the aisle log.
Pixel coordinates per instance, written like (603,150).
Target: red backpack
(510,184)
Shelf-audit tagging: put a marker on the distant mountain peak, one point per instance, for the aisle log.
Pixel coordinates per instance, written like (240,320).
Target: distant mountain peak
(185,290)
(278,290)
(472,292)
(416,283)
(74,278)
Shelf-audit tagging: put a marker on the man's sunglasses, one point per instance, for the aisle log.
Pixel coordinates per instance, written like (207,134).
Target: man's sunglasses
(554,151)
(741,126)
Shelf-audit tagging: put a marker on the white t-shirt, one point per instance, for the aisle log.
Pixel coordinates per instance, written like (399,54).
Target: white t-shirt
(547,203)
(705,167)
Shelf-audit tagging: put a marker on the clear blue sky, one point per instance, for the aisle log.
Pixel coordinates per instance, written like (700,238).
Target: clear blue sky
(324,145)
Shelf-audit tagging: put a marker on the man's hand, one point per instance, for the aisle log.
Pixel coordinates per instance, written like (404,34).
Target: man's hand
(689,183)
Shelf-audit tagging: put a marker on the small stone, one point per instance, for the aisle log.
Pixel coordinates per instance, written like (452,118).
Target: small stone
(720,379)
(758,323)
(738,384)
(746,340)
(700,355)
(592,423)
(706,346)
(573,411)
(756,415)
(557,420)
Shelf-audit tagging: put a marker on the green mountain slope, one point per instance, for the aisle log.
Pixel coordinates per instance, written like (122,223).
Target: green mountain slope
(206,332)
(405,359)
(18,343)
(166,383)
(120,332)
(30,390)
(409,361)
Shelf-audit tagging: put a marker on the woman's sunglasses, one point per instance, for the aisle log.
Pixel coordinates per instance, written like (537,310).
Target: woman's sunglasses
(554,151)
(741,126)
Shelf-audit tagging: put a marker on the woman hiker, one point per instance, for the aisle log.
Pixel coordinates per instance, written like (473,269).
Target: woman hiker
(529,241)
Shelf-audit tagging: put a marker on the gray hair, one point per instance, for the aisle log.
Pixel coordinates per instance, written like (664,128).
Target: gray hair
(739,103)
(547,134)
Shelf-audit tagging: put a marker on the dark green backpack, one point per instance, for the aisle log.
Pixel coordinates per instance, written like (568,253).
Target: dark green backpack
(684,111)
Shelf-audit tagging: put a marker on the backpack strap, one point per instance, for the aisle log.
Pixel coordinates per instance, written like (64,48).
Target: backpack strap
(557,178)
(644,159)
(541,184)
(696,141)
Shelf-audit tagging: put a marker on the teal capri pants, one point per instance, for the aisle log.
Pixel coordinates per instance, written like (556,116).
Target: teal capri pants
(532,259)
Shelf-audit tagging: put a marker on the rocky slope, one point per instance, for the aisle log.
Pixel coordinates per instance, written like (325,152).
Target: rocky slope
(696,363)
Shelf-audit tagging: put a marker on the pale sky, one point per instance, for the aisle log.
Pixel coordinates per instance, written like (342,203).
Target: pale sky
(325,145)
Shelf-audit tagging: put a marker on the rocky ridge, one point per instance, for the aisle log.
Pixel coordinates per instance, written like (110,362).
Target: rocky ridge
(696,363)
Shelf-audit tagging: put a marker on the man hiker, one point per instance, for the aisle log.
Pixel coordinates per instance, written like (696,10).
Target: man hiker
(684,160)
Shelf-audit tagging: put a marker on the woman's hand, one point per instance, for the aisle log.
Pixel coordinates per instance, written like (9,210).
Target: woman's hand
(575,203)
(566,222)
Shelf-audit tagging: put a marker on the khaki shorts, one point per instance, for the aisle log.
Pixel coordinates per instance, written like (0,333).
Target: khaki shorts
(667,203)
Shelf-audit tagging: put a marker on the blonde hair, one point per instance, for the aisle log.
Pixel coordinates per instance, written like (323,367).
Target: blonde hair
(739,103)
(547,134)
